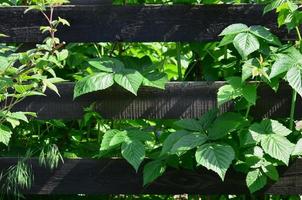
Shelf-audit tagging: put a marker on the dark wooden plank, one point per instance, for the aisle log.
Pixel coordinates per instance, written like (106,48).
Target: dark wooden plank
(115,176)
(107,23)
(178,100)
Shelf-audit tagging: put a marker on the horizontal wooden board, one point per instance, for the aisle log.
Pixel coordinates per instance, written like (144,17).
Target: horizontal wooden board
(115,176)
(153,23)
(178,100)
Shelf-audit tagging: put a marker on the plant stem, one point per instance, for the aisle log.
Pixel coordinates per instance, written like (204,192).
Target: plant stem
(292,110)
(248,111)
(298,33)
(294,93)
(99,132)
(178,48)
(97,50)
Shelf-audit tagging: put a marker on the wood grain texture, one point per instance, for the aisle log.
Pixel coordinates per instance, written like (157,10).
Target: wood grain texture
(156,23)
(178,100)
(115,176)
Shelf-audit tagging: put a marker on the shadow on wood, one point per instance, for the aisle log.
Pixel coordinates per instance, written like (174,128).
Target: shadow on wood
(115,176)
(178,100)
(156,23)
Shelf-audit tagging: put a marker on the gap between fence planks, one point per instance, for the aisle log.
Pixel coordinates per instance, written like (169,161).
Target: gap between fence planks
(178,100)
(153,23)
(116,176)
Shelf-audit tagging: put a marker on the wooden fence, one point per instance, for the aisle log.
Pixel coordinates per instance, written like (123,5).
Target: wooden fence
(107,23)
(179,23)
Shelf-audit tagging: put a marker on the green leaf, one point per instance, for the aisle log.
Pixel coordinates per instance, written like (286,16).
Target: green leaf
(273,5)
(92,83)
(143,64)
(225,124)
(248,138)
(268,126)
(215,157)
(3,64)
(49,83)
(273,126)
(258,152)
(265,34)
(57,2)
(5,83)
(189,124)
(271,171)
(298,148)
(63,21)
(18,115)
(294,79)
(171,140)
(15,117)
(281,65)
(227,39)
(62,55)
(226,93)
(277,146)
(23,88)
(35,7)
(247,68)
(119,138)
(249,92)
(155,79)
(14,122)
(5,134)
(106,64)
(140,135)
(207,119)
(153,170)
(3,35)
(234,29)
(258,131)
(129,79)
(235,82)
(246,43)
(255,180)
(111,140)
(188,142)
(134,152)
(107,137)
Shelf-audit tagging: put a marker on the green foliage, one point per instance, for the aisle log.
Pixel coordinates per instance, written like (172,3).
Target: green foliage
(133,152)
(256,180)
(107,71)
(246,57)
(50,156)
(246,43)
(224,124)
(188,142)
(247,40)
(237,89)
(153,170)
(216,157)
(5,134)
(277,147)
(92,83)
(288,66)
(272,136)
(24,74)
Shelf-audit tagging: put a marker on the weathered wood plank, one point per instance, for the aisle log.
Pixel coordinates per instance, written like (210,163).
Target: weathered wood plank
(178,100)
(108,23)
(115,176)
